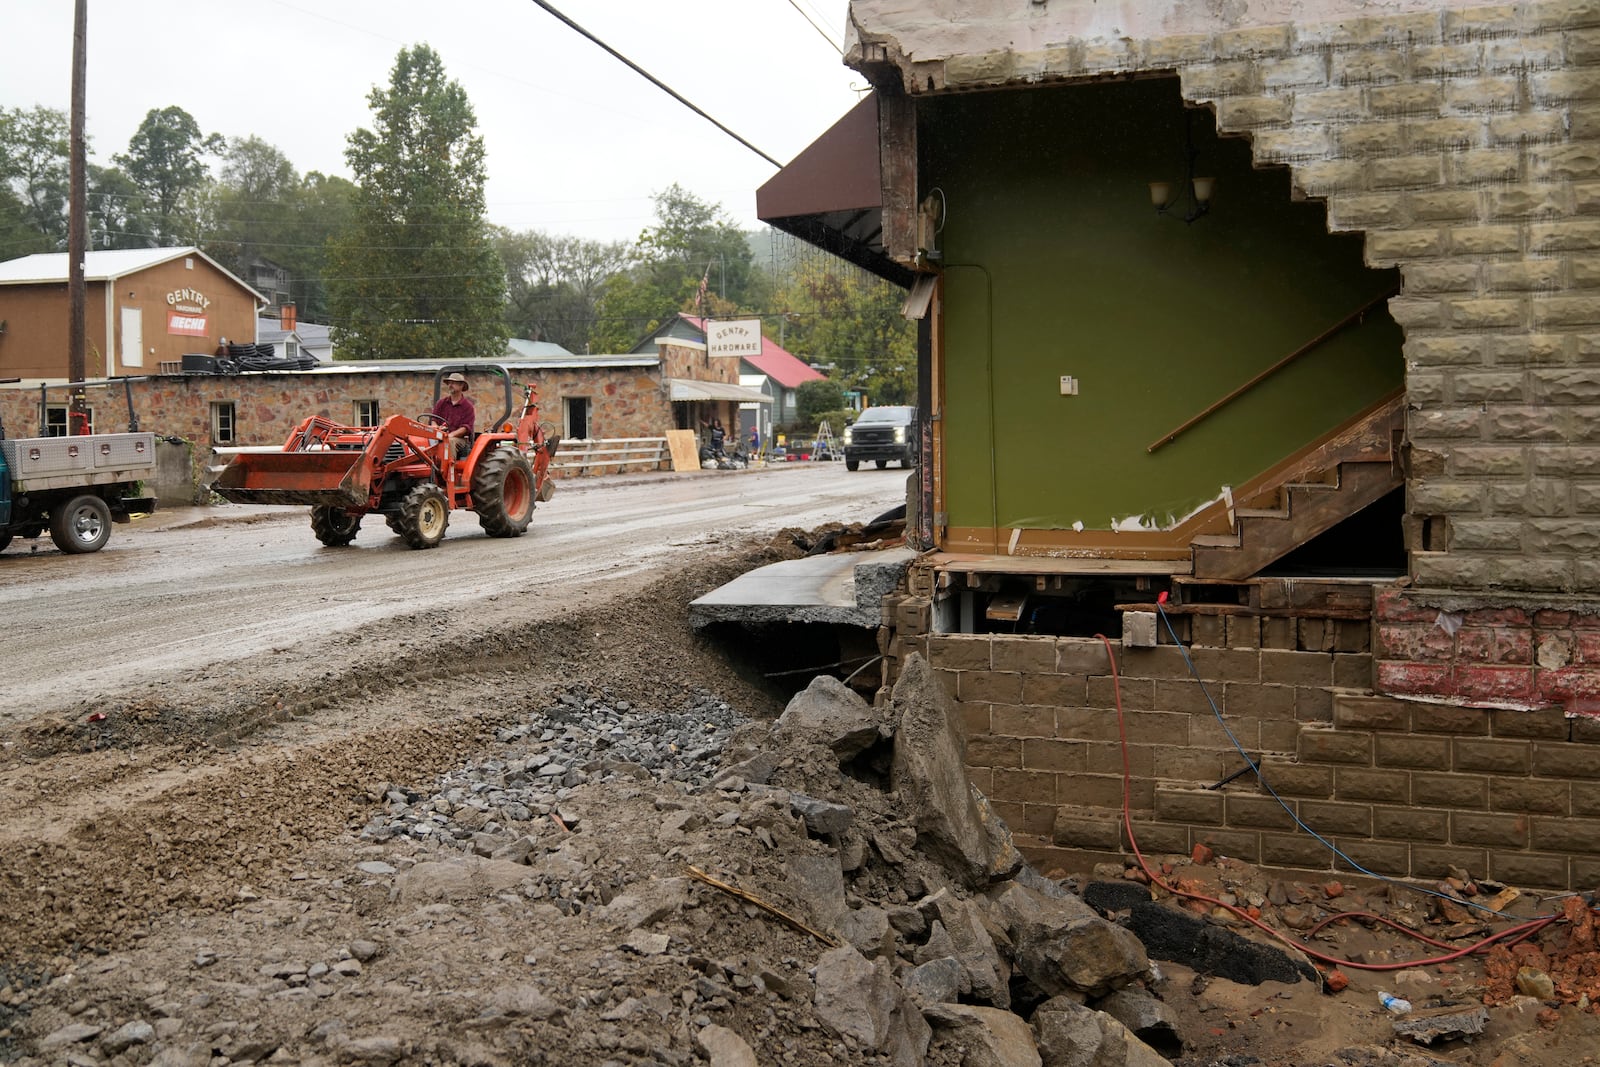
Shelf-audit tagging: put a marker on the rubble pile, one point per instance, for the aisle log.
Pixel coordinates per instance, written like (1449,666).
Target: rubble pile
(624,885)
(653,887)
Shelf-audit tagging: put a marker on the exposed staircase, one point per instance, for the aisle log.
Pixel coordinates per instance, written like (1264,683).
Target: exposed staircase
(1309,494)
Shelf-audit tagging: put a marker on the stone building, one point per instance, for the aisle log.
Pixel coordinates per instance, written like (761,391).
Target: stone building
(1261,339)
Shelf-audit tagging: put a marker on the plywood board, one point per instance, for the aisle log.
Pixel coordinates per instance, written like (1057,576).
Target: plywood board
(685,450)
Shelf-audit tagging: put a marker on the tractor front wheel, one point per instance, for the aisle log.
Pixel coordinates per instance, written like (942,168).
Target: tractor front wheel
(334,526)
(424,514)
(502,493)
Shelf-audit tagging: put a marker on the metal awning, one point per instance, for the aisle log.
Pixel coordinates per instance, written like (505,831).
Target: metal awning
(694,389)
(831,194)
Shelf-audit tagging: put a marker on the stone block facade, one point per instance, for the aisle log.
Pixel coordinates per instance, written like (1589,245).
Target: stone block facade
(624,402)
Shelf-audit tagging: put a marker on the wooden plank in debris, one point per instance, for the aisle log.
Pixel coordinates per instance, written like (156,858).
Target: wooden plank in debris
(1007,607)
(685,450)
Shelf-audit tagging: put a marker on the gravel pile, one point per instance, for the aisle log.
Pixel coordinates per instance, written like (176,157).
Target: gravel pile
(580,738)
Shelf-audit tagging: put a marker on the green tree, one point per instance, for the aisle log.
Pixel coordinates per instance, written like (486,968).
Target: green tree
(849,321)
(34,147)
(692,241)
(321,206)
(554,284)
(415,274)
(117,215)
(815,399)
(166,160)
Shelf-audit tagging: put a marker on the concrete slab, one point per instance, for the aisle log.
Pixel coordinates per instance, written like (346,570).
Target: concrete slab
(843,587)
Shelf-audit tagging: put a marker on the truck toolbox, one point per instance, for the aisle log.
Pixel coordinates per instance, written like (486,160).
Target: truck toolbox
(53,462)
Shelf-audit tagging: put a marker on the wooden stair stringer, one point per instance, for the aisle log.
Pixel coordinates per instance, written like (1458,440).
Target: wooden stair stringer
(1312,510)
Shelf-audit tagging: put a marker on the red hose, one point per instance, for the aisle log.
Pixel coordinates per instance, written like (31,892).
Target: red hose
(1520,930)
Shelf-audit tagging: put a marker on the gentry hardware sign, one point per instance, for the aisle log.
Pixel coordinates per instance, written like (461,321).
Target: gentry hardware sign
(733,337)
(188,314)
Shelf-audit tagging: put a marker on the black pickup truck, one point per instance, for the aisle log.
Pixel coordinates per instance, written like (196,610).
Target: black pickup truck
(881,434)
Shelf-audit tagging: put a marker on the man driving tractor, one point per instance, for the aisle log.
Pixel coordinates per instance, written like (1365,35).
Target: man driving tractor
(456,412)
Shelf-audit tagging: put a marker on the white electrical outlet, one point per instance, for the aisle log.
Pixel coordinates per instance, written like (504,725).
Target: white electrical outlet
(1069,385)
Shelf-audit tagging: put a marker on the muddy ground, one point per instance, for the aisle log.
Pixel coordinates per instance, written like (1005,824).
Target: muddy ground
(189,874)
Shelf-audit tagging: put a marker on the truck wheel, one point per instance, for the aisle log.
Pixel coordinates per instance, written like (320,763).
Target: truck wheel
(502,493)
(882,463)
(852,464)
(334,526)
(5,539)
(82,525)
(424,514)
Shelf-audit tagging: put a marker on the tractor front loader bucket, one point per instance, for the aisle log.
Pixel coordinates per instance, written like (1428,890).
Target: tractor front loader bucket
(335,478)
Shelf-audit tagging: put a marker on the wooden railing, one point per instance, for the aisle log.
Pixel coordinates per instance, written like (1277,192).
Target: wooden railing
(610,455)
(1355,316)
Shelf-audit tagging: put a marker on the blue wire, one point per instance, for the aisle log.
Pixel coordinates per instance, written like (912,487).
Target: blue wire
(1256,770)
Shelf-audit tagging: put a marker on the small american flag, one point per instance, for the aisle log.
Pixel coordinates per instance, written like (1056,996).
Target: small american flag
(700,294)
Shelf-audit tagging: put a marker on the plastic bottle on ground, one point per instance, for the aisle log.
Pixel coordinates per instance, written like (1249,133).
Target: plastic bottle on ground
(1397,1005)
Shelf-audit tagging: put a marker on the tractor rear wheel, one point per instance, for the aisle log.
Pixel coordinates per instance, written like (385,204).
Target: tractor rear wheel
(84,525)
(502,493)
(334,526)
(424,514)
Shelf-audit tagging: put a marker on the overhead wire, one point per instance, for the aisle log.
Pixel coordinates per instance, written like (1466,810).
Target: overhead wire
(803,14)
(657,82)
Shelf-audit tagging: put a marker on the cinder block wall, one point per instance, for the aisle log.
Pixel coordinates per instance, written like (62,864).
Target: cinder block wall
(1402,788)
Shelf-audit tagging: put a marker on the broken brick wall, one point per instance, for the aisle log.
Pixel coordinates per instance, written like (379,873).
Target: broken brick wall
(1463,142)
(1403,788)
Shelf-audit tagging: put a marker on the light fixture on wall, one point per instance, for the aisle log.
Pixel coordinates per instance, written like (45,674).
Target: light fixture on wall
(1194,197)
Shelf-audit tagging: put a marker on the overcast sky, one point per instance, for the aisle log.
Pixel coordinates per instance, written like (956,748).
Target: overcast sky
(577,143)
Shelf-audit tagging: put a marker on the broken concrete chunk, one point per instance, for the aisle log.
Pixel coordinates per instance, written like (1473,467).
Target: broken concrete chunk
(868,930)
(757,769)
(1071,1035)
(818,882)
(724,1048)
(831,713)
(861,999)
(991,1037)
(660,899)
(1444,1025)
(457,879)
(929,772)
(646,944)
(958,930)
(822,816)
(939,981)
(1146,1018)
(1062,944)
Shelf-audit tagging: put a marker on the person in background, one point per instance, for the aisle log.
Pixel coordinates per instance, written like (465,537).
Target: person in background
(718,436)
(456,413)
(755,440)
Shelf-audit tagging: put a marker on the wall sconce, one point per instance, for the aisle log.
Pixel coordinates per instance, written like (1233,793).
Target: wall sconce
(1194,198)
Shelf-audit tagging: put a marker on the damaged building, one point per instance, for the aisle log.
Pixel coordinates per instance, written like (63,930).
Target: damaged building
(1263,342)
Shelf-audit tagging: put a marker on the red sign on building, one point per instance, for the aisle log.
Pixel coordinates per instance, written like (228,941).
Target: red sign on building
(184,323)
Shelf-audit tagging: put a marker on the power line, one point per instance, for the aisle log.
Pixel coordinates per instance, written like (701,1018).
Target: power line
(803,14)
(657,82)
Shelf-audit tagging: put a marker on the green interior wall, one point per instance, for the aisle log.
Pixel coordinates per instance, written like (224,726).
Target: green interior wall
(1056,263)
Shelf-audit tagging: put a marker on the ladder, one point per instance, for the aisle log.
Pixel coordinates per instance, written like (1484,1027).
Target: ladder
(825,447)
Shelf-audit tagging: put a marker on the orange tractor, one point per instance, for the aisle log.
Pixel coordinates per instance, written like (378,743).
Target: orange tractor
(405,470)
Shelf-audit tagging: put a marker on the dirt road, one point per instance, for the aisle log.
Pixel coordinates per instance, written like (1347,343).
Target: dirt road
(186,599)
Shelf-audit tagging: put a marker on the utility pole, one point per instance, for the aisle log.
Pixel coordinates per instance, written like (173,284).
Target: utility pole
(77,209)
